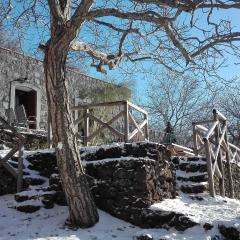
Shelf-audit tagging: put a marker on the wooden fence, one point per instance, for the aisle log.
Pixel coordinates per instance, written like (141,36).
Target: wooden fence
(19,147)
(123,112)
(211,139)
(178,150)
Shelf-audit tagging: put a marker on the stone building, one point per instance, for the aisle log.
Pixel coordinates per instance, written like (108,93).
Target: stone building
(22,83)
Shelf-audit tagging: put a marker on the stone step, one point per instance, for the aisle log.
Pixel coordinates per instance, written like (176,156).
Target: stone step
(194,188)
(14,164)
(29,206)
(47,199)
(177,160)
(194,178)
(196,196)
(192,167)
(34,181)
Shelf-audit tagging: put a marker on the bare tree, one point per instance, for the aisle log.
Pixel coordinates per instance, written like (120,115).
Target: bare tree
(170,33)
(229,104)
(7,40)
(179,100)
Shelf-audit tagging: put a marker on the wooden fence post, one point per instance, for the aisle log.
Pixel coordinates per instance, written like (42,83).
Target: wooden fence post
(20,168)
(86,127)
(195,143)
(49,131)
(229,170)
(126,122)
(209,168)
(146,127)
(219,157)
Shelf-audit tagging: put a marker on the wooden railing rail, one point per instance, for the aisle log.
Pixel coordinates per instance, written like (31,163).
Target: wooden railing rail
(19,147)
(211,140)
(132,126)
(178,150)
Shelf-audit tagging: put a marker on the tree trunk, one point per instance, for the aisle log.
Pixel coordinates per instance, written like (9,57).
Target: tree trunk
(82,209)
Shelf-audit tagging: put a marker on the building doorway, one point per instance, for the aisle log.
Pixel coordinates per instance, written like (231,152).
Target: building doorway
(28,98)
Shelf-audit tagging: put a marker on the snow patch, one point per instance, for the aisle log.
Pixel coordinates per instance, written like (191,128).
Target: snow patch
(60,145)
(211,210)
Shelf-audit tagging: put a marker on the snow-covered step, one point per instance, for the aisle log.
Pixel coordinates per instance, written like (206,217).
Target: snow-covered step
(192,167)
(177,160)
(200,177)
(191,187)
(30,180)
(191,174)
(36,198)
(29,206)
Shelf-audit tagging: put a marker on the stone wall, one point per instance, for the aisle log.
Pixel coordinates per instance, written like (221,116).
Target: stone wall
(124,179)
(33,140)
(139,174)
(14,65)
(8,183)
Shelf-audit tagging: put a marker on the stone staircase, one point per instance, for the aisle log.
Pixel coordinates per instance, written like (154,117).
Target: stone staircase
(191,175)
(40,190)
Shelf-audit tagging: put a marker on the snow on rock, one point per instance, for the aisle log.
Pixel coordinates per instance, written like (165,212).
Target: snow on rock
(60,145)
(210,210)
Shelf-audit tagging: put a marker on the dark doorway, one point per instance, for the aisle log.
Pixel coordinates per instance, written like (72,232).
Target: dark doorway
(29,100)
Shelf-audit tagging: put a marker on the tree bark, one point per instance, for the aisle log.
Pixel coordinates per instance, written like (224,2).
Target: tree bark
(82,209)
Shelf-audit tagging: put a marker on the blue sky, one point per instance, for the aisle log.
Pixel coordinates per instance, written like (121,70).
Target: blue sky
(140,80)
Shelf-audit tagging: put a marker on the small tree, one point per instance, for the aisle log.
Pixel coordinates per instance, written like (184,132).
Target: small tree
(169,135)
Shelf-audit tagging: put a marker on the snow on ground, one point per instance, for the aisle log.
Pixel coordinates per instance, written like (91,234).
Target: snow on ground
(48,224)
(210,210)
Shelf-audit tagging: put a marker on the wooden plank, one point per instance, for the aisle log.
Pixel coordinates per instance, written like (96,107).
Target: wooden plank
(211,130)
(126,123)
(104,126)
(202,147)
(146,128)
(233,156)
(219,115)
(219,142)
(200,127)
(10,154)
(219,163)
(135,123)
(233,146)
(96,105)
(136,130)
(86,127)
(20,168)
(209,169)
(224,145)
(119,134)
(195,140)
(181,148)
(137,108)
(229,170)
